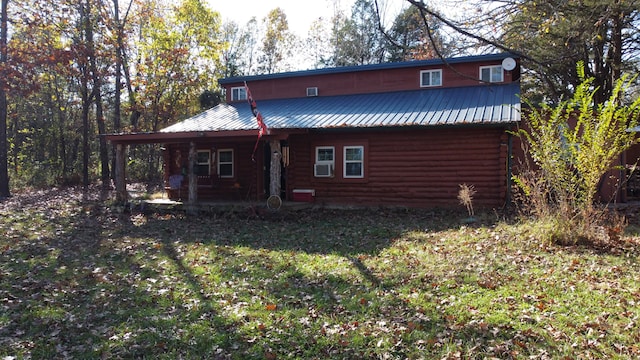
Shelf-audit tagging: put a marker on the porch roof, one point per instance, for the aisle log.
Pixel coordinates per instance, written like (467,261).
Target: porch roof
(482,104)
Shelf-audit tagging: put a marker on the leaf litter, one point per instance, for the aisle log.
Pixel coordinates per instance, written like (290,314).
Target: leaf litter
(81,279)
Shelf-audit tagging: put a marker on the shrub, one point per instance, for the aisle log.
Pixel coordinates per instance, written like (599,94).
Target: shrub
(570,161)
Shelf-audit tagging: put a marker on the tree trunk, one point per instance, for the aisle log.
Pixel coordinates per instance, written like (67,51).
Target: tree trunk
(133,103)
(118,78)
(85,134)
(4,169)
(104,152)
(276,168)
(86,98)
(616,49)
(97,95)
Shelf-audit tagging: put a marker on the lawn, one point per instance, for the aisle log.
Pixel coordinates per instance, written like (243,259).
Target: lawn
(80,280)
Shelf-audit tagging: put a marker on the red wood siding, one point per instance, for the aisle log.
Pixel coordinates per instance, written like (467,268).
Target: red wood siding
(373,81)
(416,168)
(245,184)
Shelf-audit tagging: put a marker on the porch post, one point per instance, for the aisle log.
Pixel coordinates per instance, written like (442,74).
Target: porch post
(275,173)
(121,184)
(193,180)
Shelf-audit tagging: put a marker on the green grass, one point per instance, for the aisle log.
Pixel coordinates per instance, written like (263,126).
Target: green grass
(80,281)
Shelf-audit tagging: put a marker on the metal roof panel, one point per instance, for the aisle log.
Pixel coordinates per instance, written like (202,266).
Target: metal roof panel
(496,103)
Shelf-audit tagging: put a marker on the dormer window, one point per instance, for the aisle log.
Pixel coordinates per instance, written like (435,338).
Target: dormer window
(491,74)
(429,78)
(238,93)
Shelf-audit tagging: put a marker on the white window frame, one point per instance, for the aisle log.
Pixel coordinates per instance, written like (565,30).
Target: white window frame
(238,93)
(431,73)
(220,163)
(331,162)
(494,70)
(203,163)
(347,161)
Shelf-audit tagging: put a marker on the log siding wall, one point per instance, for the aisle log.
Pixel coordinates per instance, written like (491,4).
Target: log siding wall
(415,168)
(372,81)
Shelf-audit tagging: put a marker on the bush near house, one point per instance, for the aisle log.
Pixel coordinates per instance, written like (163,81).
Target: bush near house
(572,146)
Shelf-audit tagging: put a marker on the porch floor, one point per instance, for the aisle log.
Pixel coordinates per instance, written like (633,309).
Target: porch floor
(224,206)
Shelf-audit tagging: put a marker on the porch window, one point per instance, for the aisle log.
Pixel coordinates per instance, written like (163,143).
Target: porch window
(429,78)
(353,162)
(491,73)
(325,161)
(203,163)
(225,163)
(238,93)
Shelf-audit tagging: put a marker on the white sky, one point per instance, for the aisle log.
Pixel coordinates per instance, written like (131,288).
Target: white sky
(300,13)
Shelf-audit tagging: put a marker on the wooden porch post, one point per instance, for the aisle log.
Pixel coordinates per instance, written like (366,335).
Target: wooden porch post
(121,183)
(276,155)
(193,180)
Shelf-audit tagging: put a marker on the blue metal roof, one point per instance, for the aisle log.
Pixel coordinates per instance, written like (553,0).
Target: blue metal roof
(357,68)
(481,104)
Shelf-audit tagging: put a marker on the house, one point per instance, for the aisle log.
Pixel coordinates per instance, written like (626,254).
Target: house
(393,134)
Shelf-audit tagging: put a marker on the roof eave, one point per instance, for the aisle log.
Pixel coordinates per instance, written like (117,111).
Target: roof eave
(177,137)
(358,68)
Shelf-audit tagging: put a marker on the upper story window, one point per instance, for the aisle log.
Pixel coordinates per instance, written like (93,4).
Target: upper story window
(225,163)
(353,162)
(430,78)
(238,93)
(325,161)
(491,73)
(203,163)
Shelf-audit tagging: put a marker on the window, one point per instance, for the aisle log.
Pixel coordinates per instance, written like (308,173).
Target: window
(238,93)
(202,163)
(430,78)
(325,161)
(353,161)
(225,163)
(491,73)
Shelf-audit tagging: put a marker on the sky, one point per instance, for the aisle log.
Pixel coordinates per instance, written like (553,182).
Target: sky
(300,13)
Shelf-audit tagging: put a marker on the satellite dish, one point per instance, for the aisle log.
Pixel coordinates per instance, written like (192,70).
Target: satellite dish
(508,64)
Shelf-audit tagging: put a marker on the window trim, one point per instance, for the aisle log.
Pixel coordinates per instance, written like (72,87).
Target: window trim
(202,163)
(491,68)
(236,91)
(219,163)
(331,163)
(345,162)
(430,72)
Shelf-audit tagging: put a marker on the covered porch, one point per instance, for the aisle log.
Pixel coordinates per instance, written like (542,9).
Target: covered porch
(202,169)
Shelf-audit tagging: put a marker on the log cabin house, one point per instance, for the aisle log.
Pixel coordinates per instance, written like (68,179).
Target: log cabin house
(392,134)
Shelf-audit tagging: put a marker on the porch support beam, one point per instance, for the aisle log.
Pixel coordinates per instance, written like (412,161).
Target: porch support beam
(121,183)
(193,180)
(275,171)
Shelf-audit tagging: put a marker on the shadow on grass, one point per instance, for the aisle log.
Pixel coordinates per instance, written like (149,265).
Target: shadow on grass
(334,307)
(96,284)
(70,289)
(341,232)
